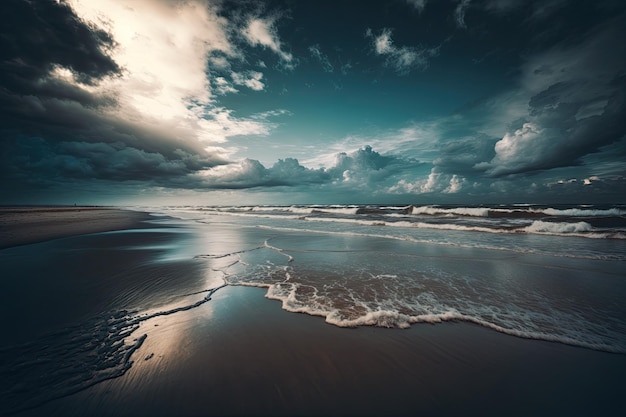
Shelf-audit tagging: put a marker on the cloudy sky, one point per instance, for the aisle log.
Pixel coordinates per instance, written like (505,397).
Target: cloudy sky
(283,102)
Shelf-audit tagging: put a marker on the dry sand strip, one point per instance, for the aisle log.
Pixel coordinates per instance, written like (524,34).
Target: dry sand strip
(26,225)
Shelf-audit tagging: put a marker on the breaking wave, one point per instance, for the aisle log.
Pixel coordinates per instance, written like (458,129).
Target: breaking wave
(574,212)
(463,211)
(539,226)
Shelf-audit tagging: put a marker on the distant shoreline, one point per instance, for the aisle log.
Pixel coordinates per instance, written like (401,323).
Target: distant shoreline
(23,225)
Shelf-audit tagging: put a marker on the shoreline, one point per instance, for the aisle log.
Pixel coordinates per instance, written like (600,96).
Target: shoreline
(23,225)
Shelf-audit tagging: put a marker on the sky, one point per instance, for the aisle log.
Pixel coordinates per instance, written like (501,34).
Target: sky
(221,102)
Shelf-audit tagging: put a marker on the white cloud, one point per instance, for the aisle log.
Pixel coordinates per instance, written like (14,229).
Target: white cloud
(456,183)
(249,173)
(222,86)
(431,183)
(315,51)
(383,43)
(459,13)
(416,140)
(363,169)
(251,79)
(263,32)
(163,49)
(418,4)
(244,174)
(218,124)
(403,59)
(435,182)
(345,68)
(517,150)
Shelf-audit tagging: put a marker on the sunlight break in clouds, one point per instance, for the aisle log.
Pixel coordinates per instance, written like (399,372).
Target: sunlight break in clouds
(163,48)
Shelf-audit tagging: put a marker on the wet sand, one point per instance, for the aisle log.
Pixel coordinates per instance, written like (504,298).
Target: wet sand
(240,354)
(24,225)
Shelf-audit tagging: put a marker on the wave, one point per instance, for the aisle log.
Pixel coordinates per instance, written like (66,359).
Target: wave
(578,229)
(517,211)
(539,226)
(391,318)
(335,209)
(463,211)
(574,212)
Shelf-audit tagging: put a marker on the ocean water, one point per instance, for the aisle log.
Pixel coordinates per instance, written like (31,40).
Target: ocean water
(554,273)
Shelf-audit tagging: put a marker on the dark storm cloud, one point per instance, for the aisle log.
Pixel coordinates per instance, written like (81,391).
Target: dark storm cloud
(36,38)
(461,155)
(37,35)
(577,106)
(39,160)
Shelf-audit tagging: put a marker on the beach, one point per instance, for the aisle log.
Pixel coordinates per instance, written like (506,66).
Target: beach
(122,321)
(24,225)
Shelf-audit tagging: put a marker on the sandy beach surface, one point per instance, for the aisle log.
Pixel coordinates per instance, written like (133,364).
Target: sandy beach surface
(238,353)
(24,225)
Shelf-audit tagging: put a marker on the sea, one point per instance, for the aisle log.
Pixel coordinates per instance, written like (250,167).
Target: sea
(548,272)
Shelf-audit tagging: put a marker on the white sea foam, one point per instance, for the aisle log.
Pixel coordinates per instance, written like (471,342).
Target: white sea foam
(579,229)
(279,250)
(269,208)
(413,224)
(391,318)
(337,210)
(539,226)
(301,210)
(350,210)
(484,212)
(396,207)
(462,211)
(584,212)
